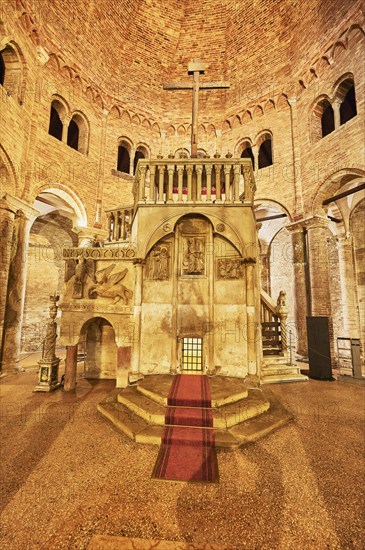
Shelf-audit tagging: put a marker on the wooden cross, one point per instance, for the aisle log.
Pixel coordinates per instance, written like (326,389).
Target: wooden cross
(196,67)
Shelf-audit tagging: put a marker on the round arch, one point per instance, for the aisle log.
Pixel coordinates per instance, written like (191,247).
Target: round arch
(8,179)
(69,197)
(168,225)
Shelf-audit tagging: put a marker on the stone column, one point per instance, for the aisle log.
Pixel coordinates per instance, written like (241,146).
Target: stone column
(17,276)
(336,112)
(351,321)
(66,123)
(136,346)
(265,270)
(319,273)
(123,366)
(70,368)
(7,217)
(251,317)
(296,157)
(255,152)
(301,306)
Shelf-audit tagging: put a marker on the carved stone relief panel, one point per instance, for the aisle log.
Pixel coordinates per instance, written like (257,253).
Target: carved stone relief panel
(229,268)
(193,258)
(159,262)
(91,280)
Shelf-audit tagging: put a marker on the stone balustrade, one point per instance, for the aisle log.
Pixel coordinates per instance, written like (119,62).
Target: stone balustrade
(119,224)
(200,180)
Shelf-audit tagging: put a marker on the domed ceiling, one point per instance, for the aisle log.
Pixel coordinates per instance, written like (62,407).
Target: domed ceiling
(131,47)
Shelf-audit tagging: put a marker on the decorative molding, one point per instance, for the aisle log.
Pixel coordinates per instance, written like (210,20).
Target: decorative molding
(96,307)
(127,253)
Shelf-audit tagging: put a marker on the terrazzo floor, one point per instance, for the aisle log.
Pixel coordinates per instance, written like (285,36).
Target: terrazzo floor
(67,474)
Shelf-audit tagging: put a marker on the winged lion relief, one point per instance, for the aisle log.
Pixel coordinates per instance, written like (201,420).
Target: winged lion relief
(109,285)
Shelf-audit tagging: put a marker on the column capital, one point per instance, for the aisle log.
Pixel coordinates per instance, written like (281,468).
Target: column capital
(18,206)
(308,223)
(139,262)
(89,235)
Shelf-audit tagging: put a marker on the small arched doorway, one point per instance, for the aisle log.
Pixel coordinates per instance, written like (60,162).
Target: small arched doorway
(97,344)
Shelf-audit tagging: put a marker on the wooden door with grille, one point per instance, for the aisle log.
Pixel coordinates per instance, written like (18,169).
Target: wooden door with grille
(192,354)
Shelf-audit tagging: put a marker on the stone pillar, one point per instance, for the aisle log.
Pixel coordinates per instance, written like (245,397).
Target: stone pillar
(123,366)
(131,161)
(66,123)
(336,112)
(17,276)
(7,217)
(136,346)
(70,368)
(296,157)
(265,271)
(255,152)
(319,273)
(251,317)
(351,321)
(301,306)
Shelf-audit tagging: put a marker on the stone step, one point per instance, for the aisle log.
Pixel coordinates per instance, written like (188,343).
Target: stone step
(272,370)
(248,430)
(143,406)
(224,416)
(223,390)
(141,431)
(131,424)
(275,360)
(280,378)
(234,413)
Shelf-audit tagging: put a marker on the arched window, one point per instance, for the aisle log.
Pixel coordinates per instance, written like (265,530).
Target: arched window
(123,159)
(73,134)
(346,94)
(323,121)
(265,151)
(77,134)
(2,70)
(55,124)
(11,71)
(139,155)
(57,114)
(247,153)
(327,120)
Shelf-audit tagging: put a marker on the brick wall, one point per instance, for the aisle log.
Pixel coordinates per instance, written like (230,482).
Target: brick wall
(109,60)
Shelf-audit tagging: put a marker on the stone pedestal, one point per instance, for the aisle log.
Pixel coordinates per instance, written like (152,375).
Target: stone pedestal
(48,375)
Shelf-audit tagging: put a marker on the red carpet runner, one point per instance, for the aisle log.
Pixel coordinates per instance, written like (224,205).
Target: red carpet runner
(187,452)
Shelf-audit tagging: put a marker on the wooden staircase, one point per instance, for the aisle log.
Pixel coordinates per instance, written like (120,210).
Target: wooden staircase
(275,364)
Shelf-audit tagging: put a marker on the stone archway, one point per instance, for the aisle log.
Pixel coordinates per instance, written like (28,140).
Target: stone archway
(97,343)
(50,232)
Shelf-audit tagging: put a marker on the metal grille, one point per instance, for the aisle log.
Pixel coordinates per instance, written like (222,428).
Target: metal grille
(192,354)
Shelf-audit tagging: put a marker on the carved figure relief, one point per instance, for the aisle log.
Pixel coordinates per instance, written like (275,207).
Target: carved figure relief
(193,262)
(110,286)
(159,262)
(229,268)
(80,268)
